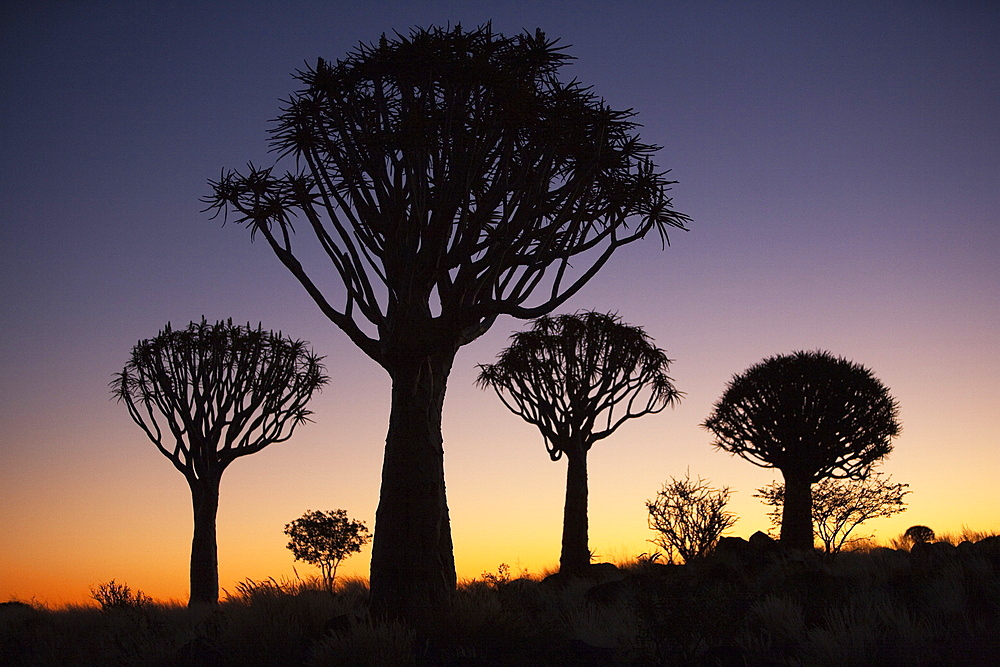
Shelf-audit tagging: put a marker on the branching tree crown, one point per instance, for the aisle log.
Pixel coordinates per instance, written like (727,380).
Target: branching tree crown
(324,539)
(839,506)
(812,416)
(579,377)
(809,411)
(208,394)
(211,393)
(443,174)
(448,177)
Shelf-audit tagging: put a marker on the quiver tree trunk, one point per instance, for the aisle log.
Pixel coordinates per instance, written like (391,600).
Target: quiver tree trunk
(575,556)
(204,546)
(413,567)
(796,517)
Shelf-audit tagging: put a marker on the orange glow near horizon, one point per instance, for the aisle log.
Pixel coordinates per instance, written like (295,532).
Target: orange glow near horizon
(838,161)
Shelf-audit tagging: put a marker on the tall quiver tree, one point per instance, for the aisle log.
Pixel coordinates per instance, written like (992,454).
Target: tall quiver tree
(207,395)
(812,416)
(447,176)
(578,378)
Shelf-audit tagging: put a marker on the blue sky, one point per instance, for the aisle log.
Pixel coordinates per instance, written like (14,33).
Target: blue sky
(839,161)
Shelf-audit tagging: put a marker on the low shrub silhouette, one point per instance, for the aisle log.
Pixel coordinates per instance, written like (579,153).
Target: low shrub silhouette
(114,596)
(749,602)
(690,517)
(918,535)
(324,539)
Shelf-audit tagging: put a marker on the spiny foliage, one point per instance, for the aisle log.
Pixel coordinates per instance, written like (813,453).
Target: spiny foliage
(579,377)
(219,390)
(454,167)
(812,412)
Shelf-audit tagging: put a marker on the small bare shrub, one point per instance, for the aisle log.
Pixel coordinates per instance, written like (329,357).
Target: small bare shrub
(112,596)
(690,517)
(841,505)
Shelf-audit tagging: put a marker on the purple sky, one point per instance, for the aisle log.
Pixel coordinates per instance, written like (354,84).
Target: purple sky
(841,163)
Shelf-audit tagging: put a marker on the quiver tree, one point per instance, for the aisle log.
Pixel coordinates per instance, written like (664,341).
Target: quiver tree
(812,416)
(447,177)
(207,395)
(578,378)
(324,539)
(841,505)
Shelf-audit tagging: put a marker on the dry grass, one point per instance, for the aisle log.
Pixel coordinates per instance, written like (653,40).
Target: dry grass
(871,604)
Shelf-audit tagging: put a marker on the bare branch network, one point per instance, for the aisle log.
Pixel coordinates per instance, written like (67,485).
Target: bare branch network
(690,517)
(579,377)
(443,174)
(841,505)
(209,394)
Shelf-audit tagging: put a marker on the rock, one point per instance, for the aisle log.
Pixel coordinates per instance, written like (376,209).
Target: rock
(989,546)
(732,546)
(761,541)
(933,551)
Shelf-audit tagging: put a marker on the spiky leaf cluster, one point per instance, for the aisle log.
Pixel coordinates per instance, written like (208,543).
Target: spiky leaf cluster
(578,377)
(210,393)
(444,173)
(808,412)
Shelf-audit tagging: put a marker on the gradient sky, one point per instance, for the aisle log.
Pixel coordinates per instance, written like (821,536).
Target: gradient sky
(841,163)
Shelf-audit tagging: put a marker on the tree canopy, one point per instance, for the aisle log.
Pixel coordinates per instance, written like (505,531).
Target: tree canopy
(578,378)
(811,415)
(324,539)
(443,174)
(808,411)
(207,395)
(445,177)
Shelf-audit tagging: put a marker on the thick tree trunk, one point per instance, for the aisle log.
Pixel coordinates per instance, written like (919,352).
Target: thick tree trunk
(204,547)
(413,565)
(575,556)
(796,517)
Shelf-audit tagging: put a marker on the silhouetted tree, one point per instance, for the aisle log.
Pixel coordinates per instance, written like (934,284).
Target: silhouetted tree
(324,539)
(839,506)
(578,378)
(207,395)
(690,517)
(812,416)
(917,535)
(447,176)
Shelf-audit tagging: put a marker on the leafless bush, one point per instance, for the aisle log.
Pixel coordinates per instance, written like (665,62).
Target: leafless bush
(841,505)
(689,516)
(113,596)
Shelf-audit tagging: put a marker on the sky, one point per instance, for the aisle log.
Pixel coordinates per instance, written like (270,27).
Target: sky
(839,161)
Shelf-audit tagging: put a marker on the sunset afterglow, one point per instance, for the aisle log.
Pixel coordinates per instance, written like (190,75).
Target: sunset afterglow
(839,163)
